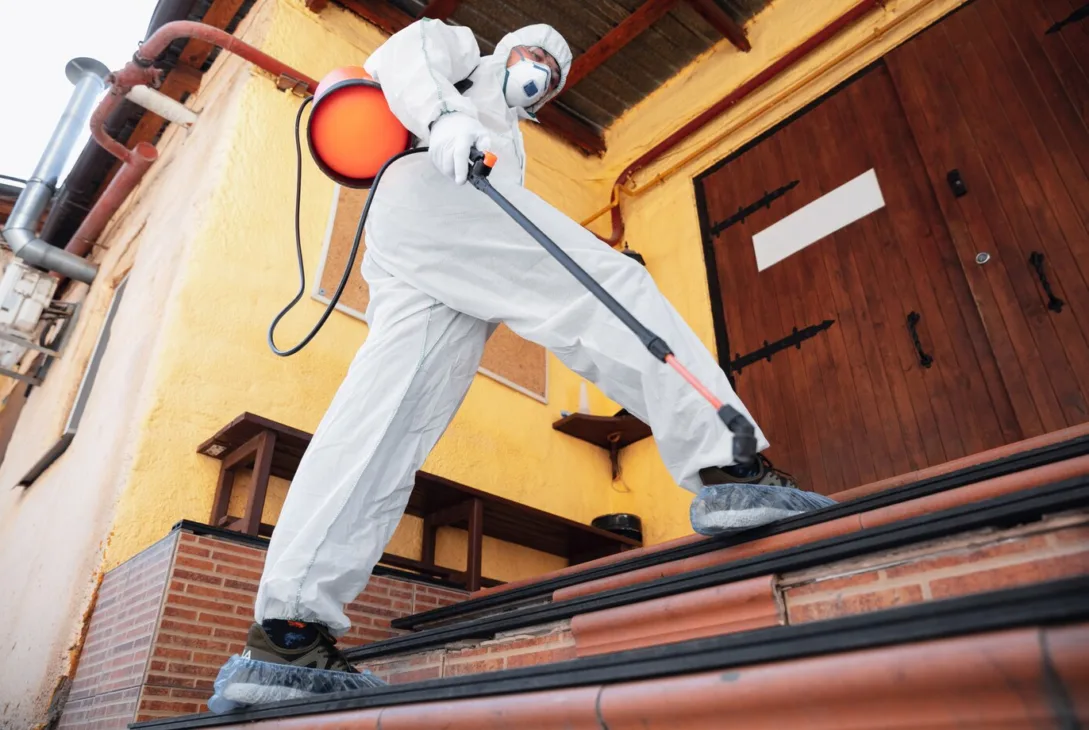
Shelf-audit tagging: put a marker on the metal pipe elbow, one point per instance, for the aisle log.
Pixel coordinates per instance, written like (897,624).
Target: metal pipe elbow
(37,252)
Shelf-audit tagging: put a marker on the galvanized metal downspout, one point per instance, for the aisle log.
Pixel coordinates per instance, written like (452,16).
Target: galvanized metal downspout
(89,78)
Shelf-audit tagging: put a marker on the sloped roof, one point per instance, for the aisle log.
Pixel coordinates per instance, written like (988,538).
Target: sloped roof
(645,63)
(624,49)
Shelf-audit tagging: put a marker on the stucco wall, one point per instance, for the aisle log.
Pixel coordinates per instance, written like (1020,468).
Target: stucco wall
(663,224)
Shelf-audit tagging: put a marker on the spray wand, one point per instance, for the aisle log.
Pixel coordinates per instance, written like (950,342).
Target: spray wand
(744,443)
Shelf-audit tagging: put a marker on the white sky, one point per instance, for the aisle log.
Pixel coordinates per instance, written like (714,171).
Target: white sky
(37,39)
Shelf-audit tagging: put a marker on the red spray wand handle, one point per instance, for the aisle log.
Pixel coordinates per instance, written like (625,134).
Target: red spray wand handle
(744,443)
(740,427)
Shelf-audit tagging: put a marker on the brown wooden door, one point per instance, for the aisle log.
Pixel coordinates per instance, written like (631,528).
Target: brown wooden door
(990,93)
(989,97)
(854,404)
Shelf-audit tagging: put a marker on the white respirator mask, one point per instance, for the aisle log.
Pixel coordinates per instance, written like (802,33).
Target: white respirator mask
(526,83)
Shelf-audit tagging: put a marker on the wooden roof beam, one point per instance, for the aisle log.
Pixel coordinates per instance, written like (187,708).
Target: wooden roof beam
(391,19)
(440,9)
(645,16)
(386,16)
(721,21)
(220,14)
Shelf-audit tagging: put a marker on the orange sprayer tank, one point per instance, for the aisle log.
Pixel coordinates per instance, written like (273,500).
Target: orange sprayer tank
(352,131)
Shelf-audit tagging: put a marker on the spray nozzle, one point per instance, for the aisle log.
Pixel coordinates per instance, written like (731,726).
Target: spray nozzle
(743,432)
(482,164)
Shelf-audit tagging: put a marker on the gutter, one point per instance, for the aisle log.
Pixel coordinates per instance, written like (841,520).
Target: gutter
(8,190)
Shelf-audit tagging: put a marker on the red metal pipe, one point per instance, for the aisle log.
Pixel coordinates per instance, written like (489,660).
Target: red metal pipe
(730,100)
(170,32)
(98,126)
(139,71)
(130,174)
(137,160)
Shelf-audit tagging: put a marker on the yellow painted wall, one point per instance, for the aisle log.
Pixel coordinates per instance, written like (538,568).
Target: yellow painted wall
(240,270)
(663,224)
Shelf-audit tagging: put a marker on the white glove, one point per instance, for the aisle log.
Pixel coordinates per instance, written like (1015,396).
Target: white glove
(452,136)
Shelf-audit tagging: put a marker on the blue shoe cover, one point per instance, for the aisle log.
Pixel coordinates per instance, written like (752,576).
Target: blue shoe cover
(243,682)
(723,507)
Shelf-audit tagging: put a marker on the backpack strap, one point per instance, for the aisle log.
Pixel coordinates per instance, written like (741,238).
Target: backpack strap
(466,83)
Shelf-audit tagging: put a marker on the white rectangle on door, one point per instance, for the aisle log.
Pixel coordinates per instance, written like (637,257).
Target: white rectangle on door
(824,216)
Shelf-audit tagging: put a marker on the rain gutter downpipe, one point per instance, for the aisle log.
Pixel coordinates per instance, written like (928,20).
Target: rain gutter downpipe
(21,233)
(140,72)
(743,91)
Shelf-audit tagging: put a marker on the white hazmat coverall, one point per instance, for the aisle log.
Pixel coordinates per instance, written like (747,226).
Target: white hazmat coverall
(444,265)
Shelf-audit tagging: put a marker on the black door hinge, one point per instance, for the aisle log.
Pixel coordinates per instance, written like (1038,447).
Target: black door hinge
(1036,261)
(745,212)
(1080,14)
(794,339)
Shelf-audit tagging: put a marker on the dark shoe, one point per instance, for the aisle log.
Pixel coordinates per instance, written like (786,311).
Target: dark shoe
(286,661)
(293,642)
(739,497)
(760,471)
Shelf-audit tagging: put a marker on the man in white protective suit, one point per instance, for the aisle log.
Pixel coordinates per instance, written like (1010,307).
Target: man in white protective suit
(445,265)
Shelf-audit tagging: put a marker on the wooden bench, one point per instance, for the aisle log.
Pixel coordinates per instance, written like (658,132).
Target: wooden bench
(271,449)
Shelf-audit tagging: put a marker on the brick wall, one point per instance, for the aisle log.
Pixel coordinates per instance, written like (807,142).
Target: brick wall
(989,561)
(206,613)
(208,610)
(106,686)
(167,620)
(540,645)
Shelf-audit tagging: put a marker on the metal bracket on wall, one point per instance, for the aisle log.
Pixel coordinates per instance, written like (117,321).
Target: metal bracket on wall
(23,377)
(745,212)
(286,82)
(794,339)
(65,314)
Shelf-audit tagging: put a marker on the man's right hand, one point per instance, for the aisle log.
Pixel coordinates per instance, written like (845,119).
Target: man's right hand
(452,137)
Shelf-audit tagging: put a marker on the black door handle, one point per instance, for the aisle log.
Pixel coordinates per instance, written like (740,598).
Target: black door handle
(913,322)
(1036,260)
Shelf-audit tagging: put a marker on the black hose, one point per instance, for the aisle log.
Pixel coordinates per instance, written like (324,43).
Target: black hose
(298,242)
